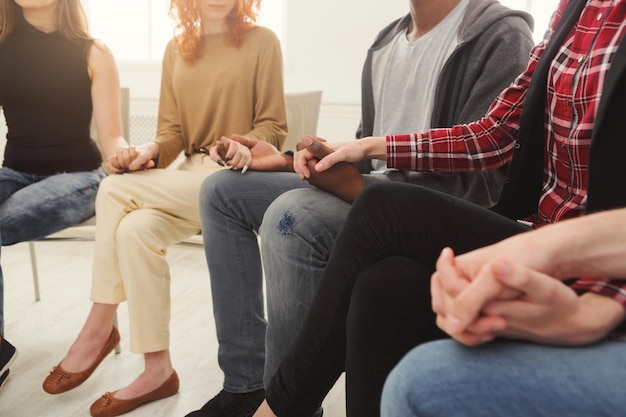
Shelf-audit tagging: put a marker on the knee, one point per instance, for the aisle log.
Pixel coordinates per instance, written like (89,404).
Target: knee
(396,391)
(390,290)
(108,187)
(139,227)
(280,218)
(214,190)
(414,382)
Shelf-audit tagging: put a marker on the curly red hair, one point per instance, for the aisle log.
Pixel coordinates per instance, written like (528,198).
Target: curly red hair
(188,30)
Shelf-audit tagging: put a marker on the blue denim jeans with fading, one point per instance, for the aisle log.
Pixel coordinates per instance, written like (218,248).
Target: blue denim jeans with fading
(34,206)
(508,378)
(232,206)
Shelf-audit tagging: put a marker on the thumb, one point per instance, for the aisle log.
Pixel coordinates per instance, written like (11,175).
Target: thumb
(247,142)
(317,148)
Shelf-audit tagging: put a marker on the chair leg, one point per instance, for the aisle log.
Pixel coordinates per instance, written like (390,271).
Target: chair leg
(33,264)
(117,348)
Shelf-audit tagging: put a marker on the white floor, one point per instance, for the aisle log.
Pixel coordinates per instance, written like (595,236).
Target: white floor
(43,330)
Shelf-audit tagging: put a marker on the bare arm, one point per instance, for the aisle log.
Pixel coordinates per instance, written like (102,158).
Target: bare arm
(502,289)
(105,92)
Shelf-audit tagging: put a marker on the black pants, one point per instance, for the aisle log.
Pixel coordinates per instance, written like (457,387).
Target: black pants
(373,302)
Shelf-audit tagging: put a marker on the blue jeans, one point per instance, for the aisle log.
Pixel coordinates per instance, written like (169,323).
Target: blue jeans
(232,206)
(298,233)
(504,378)
(34,206)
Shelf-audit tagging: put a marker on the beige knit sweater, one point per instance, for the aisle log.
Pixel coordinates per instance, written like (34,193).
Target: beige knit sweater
(226,90)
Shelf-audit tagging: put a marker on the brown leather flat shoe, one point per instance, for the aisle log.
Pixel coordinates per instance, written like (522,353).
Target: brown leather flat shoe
(60,380)
(109,406)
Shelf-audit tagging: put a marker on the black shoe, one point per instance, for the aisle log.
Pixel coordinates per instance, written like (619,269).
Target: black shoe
(4,377)
(227,404)
(8,353)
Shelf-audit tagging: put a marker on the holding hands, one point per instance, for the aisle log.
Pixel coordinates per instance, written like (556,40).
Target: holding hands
(131,158)
(311,158)
(343,179)
(241,152)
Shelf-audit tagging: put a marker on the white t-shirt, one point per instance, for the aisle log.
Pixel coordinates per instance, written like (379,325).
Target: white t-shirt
(405,75)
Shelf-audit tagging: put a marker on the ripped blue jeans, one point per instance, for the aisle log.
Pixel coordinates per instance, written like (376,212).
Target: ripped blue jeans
(232,206)
(34,206)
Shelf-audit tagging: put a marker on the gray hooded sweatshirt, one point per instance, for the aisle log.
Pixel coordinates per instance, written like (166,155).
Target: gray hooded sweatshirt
(494,42)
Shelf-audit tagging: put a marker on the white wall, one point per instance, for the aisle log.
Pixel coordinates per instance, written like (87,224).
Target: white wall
(327,41)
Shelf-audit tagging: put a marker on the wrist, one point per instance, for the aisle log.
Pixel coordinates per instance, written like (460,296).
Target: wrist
(597,317)
(288,157)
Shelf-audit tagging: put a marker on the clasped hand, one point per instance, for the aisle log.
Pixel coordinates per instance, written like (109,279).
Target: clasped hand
(478,297)
(306,159)
(130,158)
(243,153)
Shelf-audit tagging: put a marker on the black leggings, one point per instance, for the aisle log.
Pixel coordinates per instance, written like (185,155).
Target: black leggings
(373,302)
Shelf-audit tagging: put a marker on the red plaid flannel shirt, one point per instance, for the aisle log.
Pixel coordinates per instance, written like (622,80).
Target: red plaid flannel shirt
(574,89)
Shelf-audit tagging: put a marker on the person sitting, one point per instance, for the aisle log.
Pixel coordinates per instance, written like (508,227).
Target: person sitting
(222,75)
(448,61)
(567,346)
(54,78)
(372,305)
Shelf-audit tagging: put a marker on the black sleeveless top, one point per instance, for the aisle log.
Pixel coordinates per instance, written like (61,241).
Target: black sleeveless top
(45,92)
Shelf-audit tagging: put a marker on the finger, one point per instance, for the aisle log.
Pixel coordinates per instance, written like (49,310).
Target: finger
(465,338)
(329,161)
(450,277)
(300,159)
(436,294)
(240,157)
(245,141)
(317,148)
(221,149)
(535,285)
(128,155)
(113,161)
(482,290)
(215,156)
(487,326)
(138,163)
(305,141)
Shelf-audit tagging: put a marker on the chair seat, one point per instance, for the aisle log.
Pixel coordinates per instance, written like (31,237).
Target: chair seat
(82,231)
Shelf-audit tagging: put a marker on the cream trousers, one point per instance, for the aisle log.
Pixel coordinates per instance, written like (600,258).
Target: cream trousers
(138,216)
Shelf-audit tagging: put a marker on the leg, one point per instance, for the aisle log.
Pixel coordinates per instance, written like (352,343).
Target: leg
(504,378)
(390,313)
(297,235)
(47,205)
(387,219)
(139,216)
(232,208)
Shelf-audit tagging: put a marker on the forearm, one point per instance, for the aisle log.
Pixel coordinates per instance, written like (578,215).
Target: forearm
(592,245)
(374,147)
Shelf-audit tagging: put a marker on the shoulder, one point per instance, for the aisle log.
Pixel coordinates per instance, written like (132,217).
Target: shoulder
(486,17)
(100,58)
(99,53)
(170,53)
(262,37)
